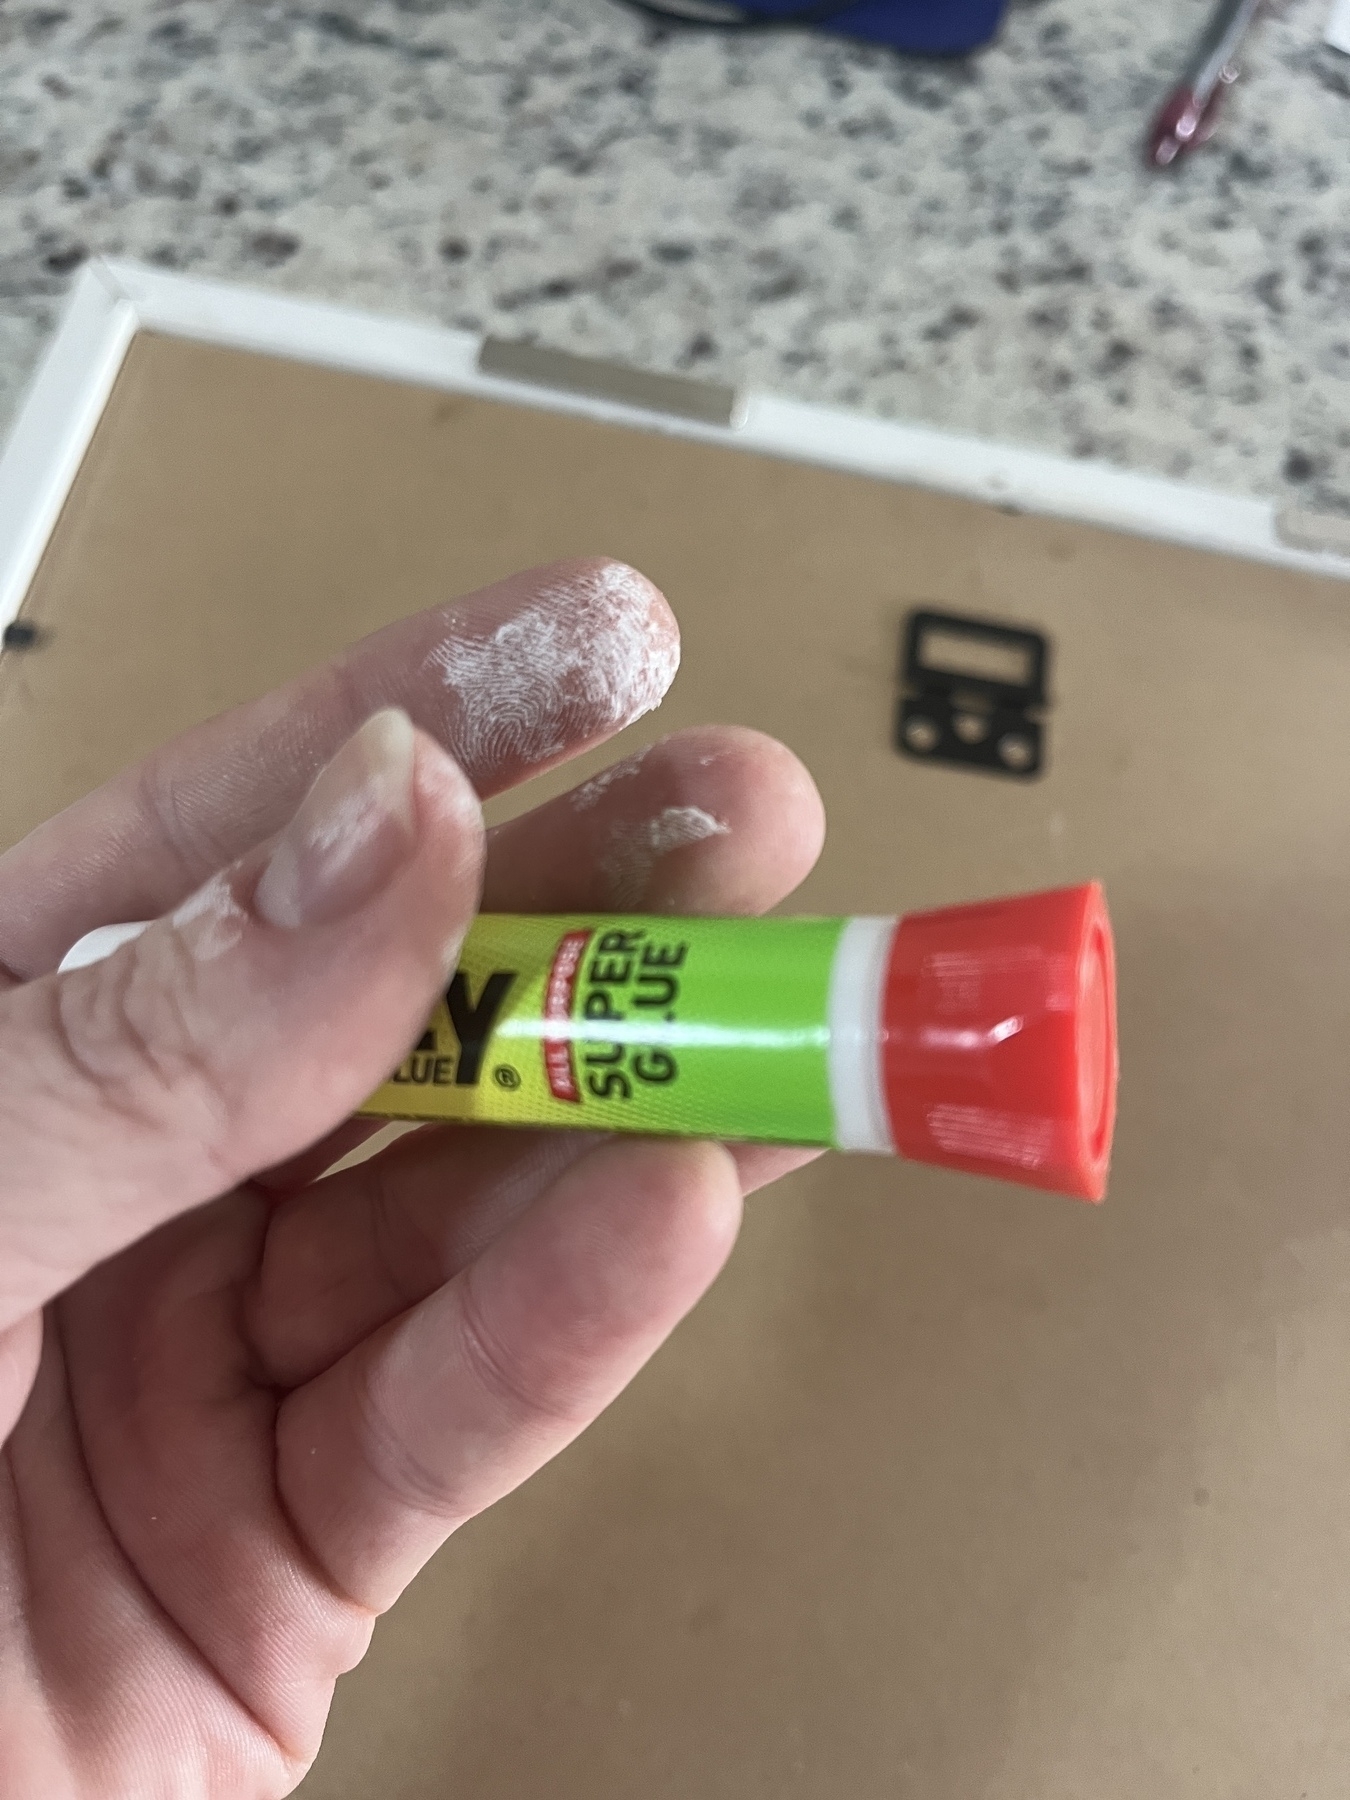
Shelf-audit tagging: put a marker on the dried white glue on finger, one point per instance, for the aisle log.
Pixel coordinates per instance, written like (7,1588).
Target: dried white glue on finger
(975,1037)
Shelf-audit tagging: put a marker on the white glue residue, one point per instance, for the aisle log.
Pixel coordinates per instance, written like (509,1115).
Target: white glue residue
(636,849)
(586,657)
(333,840)
(211,921)
(366,787)
(343,830)
(590,792)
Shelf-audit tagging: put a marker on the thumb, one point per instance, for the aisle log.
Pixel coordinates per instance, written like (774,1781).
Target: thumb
(239,1030)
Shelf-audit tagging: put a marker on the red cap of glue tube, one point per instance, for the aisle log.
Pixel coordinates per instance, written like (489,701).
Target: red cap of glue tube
(999,1039)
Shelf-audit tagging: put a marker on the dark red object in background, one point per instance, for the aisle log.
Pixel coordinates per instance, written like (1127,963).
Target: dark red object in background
(1184,121)
(1188,115)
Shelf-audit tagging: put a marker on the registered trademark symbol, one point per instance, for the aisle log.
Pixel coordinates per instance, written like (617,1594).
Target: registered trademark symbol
(505,1076)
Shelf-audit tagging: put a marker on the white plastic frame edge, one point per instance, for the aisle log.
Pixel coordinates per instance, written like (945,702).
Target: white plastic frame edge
(112,301)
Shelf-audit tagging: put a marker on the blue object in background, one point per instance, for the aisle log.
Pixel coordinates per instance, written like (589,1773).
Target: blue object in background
(926,27)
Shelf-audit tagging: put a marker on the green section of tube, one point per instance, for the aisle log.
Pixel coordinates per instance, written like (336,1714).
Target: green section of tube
(692,1027)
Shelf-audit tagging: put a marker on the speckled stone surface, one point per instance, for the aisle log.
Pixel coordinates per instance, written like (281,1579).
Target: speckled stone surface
(975,244)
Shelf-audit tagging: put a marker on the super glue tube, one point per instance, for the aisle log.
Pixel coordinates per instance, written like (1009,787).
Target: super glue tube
(975,1037)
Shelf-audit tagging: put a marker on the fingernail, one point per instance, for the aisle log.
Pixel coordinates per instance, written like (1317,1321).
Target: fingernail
(355,827)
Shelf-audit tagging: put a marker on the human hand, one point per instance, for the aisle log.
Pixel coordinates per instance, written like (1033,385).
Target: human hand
(241,1406)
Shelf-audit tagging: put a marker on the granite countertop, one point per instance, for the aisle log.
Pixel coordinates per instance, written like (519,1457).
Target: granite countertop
(972,244)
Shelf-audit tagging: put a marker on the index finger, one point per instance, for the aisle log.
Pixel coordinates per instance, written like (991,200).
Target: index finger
(510,680)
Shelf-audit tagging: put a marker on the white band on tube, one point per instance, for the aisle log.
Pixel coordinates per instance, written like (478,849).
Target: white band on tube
(856,981)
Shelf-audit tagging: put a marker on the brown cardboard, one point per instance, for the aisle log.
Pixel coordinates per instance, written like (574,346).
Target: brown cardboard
(949,1490)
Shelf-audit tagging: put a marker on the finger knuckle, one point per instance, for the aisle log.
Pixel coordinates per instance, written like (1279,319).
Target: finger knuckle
(133,1037)
(408,1477)
(174,821)
(529,1390)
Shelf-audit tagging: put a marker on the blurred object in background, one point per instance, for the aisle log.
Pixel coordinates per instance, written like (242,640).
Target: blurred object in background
(1189,114)
(923,27)
(1337,33)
